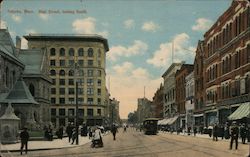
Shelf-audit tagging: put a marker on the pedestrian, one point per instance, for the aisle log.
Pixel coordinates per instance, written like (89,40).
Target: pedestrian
(222,132)
(195,131)
(114,131)
(60,132)
(69,130)
(24,136)
(50,134)
(234,133)
(215,132)
(97,137)
(84,130)
(90,132)
(74,135)
(243,133)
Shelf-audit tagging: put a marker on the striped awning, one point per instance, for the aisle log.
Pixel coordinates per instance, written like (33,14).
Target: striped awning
(242,111)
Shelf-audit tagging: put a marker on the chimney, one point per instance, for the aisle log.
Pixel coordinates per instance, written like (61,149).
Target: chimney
(18,42)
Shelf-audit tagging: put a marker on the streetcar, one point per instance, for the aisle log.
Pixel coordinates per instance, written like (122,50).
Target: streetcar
(150,126)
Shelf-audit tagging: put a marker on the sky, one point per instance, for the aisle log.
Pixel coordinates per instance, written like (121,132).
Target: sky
(141,35)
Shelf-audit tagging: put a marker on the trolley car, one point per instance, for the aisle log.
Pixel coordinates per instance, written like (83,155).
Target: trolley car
(150,126)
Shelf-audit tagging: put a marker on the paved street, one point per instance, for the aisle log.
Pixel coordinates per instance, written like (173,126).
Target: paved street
(132,143)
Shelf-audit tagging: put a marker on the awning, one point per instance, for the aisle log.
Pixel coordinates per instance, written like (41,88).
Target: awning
(198,115)
(167,121)
(172,120)
(242,111)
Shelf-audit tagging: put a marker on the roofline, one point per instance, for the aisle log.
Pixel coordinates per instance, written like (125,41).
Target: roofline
(87,37)
(171,67)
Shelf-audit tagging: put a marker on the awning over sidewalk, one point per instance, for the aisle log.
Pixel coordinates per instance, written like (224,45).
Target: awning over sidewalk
(242,111)
(167,121)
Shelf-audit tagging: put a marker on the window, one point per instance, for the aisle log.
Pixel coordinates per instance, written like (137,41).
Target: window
(99,101)
(71,52)
(61,112)
(90,73)
(62,82)
(62,73)
(99,53)
(81,81)
(53,90)
(62,100)
(71,100)
(71,112)
(90,82)
(90,101)
(52,72)
(80,52)
(53,112)
(80,63)
(99,73)
(32,89)
(99,91)
(99,63)
(71,81)
(71,72)
(53,100)
(80,100)
(99,112)
(62,91)
(80,90)
(90,62)
(71,91)
(53,81)
(90,52)
(71,62)
(62,62)
(81,112)
(90,91)
(90,112)
(52,52)
(52,63)
(62,52)
(99,82)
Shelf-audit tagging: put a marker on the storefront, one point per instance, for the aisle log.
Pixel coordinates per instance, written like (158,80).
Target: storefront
(211,118)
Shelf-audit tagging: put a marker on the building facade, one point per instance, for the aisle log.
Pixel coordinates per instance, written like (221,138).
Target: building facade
(227,63)
(199,85)
(72,58)
(190,103)
(169,106)
(158,102)
(180,77)
(144,109)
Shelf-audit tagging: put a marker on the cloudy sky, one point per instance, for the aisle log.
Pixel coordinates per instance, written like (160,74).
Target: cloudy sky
(140,34)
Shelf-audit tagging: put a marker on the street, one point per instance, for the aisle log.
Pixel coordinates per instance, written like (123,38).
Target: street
(134,143)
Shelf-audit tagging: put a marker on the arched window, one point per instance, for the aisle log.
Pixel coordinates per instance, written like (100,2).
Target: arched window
(71,73)
(32,89)
(90,52)
(62,52)
(62,73)
(52,52)
(71,52)
(7,76)
(52,72)
(80,52)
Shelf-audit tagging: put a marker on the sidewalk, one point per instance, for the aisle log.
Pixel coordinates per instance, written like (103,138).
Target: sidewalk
(44,145)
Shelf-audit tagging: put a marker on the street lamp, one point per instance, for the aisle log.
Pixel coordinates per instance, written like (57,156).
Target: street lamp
(77,114)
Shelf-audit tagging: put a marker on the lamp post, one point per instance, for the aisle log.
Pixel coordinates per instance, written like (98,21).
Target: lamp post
(77,115)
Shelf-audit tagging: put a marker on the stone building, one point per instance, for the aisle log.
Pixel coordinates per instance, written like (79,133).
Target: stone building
(144,109)
(72,58)
(199,85)
(169,106)
(227,63)
(114,111)
(180,91)
(37,80)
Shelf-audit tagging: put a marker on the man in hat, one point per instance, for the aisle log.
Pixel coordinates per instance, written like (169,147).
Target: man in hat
(24,136)
(234,133)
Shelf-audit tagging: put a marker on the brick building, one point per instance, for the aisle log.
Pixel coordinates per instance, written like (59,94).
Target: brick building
(180,90)
(227,63)
(158,103)
(199,85)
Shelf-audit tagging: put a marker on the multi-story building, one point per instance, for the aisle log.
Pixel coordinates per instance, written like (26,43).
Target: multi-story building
(199,85)
(181,91)
(114,111)
(169,106)
(144,109)
(157,103)
(227,63)
(72,58)
(189,104)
